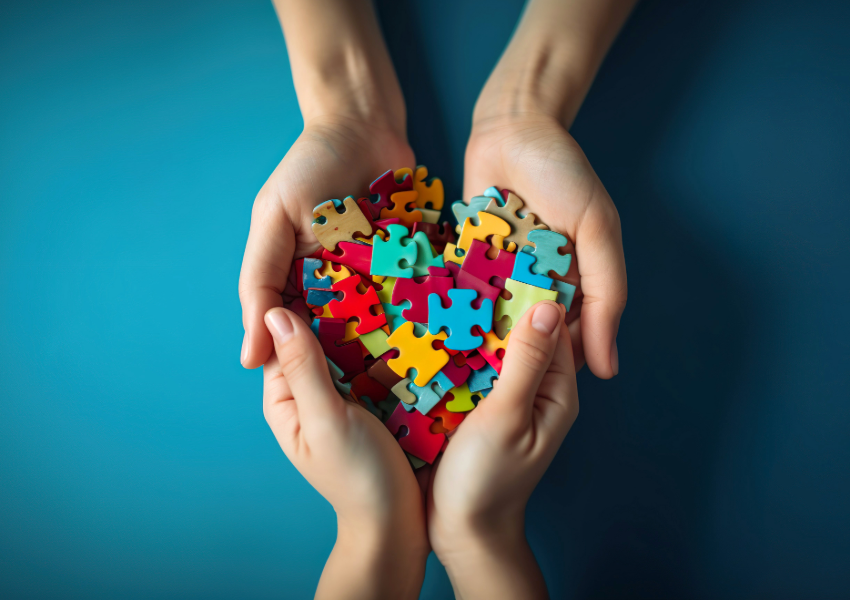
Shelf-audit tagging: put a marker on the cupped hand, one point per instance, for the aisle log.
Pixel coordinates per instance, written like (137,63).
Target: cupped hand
(535,157)
(332,158)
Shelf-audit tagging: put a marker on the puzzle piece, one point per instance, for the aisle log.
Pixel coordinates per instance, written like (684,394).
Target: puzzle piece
(417,291)
(336,375)
(331,226)
(440,235)
(416,353)
(485,290)
(402,208)
(522,272)
(381,372)
(424,255)
(388,256)
(451,254)
(430,394)
(333,271)
(491,225)
(319,297)
(419,441)
(347,357)
(429,216)
(384,187)
(462,210)
(461,399)
(546,252)
(400,391)
(493,192)
(482,379)
(520,226)
(566,292)
(308,277)
(363,386)
(393,315)
(444,419)
(523,297)
(459,318)
(351,254)
(493,349)
(357,305)
(477,263)
(430,190)
(375,342)
(455,373)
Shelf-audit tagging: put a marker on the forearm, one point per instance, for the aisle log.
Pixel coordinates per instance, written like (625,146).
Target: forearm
(339,61)
(371,565)
(551,60)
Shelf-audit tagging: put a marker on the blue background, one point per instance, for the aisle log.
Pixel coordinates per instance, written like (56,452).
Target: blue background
(135,461)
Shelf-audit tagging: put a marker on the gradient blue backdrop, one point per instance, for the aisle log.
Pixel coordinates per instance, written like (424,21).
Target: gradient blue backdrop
(134,458)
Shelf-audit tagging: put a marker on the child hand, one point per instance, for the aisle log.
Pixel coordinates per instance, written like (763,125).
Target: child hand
(481,484)
(353,461)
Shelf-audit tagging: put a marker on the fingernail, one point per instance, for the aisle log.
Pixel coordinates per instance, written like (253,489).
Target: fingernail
(545,318)
(243,357)
(615,358)
(280,325)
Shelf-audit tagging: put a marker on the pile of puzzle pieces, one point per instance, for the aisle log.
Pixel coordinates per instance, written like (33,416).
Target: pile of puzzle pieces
(414,321)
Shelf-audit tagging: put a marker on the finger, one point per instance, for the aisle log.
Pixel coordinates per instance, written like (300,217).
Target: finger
(265,267)
(557,395)
(303,366)
(577,349)
(527,358)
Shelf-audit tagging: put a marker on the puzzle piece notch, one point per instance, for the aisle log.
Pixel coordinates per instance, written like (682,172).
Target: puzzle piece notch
(395,256)
(430,189)
(416,353)
(308,277)
(339,225)
(493,349)
(490,225)
(520,226)
(385,186)
(403,204)
(486,292)
(419,441)
(357,305)
(459,318)
(417,292)
(547,244)
(347,357)
(461,399)
(523,271)
(482,379)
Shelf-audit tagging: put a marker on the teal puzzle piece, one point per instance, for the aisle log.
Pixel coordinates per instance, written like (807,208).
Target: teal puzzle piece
(393,313)
(482,379)
(459,318)
(424,255)
(462,210)
(547,243)
(431,393)
(523,271)
(387,256)
(565,291)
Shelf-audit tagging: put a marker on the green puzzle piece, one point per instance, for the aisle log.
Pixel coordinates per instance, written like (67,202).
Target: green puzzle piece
(547,243)
(387,256)
(424,255)
(523,297)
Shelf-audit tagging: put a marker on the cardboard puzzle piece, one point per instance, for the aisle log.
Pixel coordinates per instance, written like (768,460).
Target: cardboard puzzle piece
(330,226)
(463,211)
(418,440)
(375,342)
(346,356)
(357,305)
(486,292)
(461,399)
(395,256)
(493,349)
(566,292)
(336,376)
(351,254)
(385,186)
(477,263)
(520,226)
(523,297)
(491,225)
(457,374)
(381,372)
(482,379)
(444,419)
(416,353)
(523,272)
(546,252)
(430,189)
(417,291)
(431,393)
(403,208)
(459,318)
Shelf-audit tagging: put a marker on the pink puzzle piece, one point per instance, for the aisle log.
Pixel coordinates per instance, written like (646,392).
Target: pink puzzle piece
(468,281)
(347,357)
(478,264)
(384,187)
(351,254)
(416,290)
(457,375)
(419,441)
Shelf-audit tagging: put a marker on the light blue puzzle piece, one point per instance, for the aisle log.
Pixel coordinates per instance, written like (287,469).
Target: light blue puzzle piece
(393,313)
(319,297)
(547,243)
(523,271)
(463,210)
(388,256)
(308,276)
(493,192)
(336,375)
(424,254)
(482,379)
(566,292)
(431,393)
(459,318)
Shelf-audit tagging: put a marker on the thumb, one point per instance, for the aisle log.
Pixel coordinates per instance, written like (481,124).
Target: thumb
(527,358)
(302,364)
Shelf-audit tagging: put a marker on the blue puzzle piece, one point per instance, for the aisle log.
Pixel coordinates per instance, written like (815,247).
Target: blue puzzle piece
(459,318)
(482,379)
(493,192)
(565,291)
(547,243)
(463,210)
(311,282)
(522,271)
(431,393)
(319,297)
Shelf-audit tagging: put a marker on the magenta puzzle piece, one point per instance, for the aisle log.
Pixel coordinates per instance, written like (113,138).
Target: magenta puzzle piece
(416,290)
(347,357)
(351,254)
(457,375)
(384,187)
(478,264)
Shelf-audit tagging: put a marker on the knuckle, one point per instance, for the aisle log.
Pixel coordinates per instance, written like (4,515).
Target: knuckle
(530,354)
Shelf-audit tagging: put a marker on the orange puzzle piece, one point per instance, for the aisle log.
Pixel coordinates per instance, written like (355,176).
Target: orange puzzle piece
(417,353)
(400,201)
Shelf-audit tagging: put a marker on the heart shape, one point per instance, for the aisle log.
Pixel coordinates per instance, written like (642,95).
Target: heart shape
(413,321)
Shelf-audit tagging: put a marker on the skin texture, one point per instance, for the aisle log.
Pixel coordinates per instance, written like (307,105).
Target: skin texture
(470,506)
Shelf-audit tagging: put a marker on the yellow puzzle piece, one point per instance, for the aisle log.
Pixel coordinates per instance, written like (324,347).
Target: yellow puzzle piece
(417,353)
(490,225)
(428,191)
(462,401)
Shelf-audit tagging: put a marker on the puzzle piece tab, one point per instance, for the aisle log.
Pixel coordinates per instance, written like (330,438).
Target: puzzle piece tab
(419,441)
(417,353)
(523,271)
(520,226)
(396,256)
(546,252)
(331,226)
(459,318)
(385,186)
(444,419)
(417,291)
(357,305)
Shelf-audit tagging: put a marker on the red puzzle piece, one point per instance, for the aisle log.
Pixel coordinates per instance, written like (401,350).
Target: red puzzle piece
(439,235)
(363,385)
(466,280)
(348,357)
(419,441)
(457,375)
(444,419)
(478,264)
(416,290)
(351,254)
(357,305)
(384,187)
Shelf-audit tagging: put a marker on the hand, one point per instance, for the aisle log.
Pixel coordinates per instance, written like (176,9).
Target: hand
(352,460)
(494,460)
(332,158)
